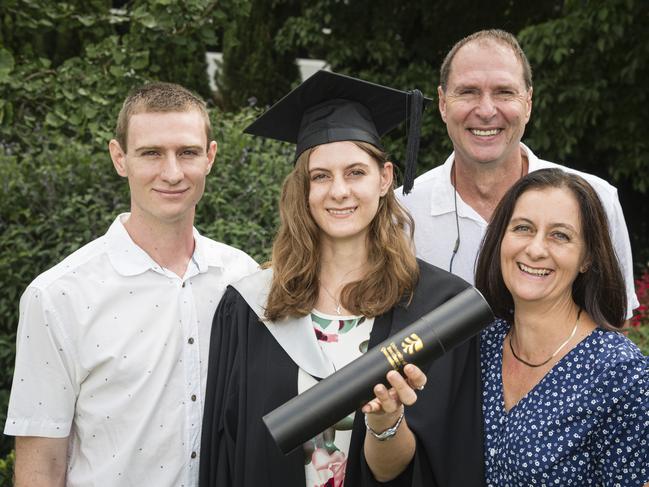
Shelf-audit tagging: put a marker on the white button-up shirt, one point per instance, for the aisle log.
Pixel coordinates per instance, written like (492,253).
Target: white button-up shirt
(432,205)
(112,352)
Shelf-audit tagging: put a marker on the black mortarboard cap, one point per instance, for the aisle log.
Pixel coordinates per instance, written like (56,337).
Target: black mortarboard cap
(331,107)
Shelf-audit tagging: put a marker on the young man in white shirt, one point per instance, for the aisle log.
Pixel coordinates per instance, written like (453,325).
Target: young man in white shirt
(112,342)
(485,99)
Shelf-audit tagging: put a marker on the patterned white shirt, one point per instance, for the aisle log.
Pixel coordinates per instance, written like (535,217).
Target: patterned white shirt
(112,352)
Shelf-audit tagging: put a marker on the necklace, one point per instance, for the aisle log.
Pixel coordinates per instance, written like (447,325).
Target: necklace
(336,302)
(529,364)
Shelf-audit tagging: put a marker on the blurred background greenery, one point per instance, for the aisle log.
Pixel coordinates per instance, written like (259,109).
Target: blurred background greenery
(66,66)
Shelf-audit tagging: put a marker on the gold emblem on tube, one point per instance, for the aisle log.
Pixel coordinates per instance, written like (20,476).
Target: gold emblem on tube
(412,344)
(389,357)
(394,356)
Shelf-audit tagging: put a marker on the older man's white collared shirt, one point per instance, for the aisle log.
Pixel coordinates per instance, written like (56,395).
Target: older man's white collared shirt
(112,351)
(432,205)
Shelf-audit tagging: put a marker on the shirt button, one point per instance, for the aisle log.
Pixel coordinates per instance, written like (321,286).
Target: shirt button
(193,397)
(193,455)
(183,284)
(190,340)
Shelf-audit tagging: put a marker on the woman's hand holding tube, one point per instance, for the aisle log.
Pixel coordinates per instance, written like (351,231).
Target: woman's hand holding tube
(387,459)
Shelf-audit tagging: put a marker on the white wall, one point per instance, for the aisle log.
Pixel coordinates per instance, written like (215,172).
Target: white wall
(307,67)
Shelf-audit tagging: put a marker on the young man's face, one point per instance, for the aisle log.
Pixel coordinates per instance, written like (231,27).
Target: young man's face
(486,104)
(166,164)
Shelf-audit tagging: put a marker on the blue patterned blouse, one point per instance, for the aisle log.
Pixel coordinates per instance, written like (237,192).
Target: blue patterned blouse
(586,423)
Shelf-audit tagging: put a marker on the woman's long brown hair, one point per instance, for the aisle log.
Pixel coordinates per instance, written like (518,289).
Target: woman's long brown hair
(599,289)
(392,270)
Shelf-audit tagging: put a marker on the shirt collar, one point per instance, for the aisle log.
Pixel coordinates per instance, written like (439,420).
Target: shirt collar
(442,191)
(202,256)
(533,163)
(128,259)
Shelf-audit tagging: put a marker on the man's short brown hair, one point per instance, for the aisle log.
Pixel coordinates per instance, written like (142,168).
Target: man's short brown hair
(159,97)
(495,35)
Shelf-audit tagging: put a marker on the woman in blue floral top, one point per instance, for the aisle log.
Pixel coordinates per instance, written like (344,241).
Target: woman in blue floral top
(565,395)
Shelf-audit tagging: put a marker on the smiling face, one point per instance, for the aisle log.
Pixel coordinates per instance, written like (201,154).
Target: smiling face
(345,186)
(542,250)
(486,104)
(166,164)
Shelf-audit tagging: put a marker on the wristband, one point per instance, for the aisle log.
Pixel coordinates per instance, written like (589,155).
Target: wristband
(388,433)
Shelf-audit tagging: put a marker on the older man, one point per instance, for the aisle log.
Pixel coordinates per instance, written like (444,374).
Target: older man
(485,99)
(112,342)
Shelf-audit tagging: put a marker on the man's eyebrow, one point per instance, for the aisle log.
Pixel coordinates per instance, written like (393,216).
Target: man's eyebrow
(475,86)
(147,147)
(160,148)
(464,86)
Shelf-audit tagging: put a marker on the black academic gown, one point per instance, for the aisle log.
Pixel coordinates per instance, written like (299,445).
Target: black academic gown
(250,374)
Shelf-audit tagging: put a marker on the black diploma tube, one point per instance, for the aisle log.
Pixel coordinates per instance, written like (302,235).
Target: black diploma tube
(344,391)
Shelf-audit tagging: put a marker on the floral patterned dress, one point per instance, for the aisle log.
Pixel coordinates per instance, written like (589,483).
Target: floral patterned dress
(586,423)
(342,339)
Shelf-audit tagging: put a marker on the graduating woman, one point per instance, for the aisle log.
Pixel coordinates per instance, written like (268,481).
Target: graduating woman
(343,277)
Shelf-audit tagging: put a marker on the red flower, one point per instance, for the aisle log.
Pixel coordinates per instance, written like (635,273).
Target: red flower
(641,314)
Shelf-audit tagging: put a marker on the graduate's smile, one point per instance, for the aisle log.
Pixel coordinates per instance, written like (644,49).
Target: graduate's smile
(342,212)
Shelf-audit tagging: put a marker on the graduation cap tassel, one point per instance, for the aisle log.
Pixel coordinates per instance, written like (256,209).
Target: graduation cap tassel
(415,109)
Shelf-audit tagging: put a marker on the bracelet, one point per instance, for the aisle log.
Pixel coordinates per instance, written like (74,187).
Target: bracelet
(388,433)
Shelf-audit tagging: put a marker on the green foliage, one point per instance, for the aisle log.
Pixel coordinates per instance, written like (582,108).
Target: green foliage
(53,30)
(175,34)
(7,469)
(254,70)
(640,336)
(591,67)
(113,50)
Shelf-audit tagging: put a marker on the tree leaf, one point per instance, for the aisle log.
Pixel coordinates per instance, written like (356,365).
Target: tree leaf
(6,64)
